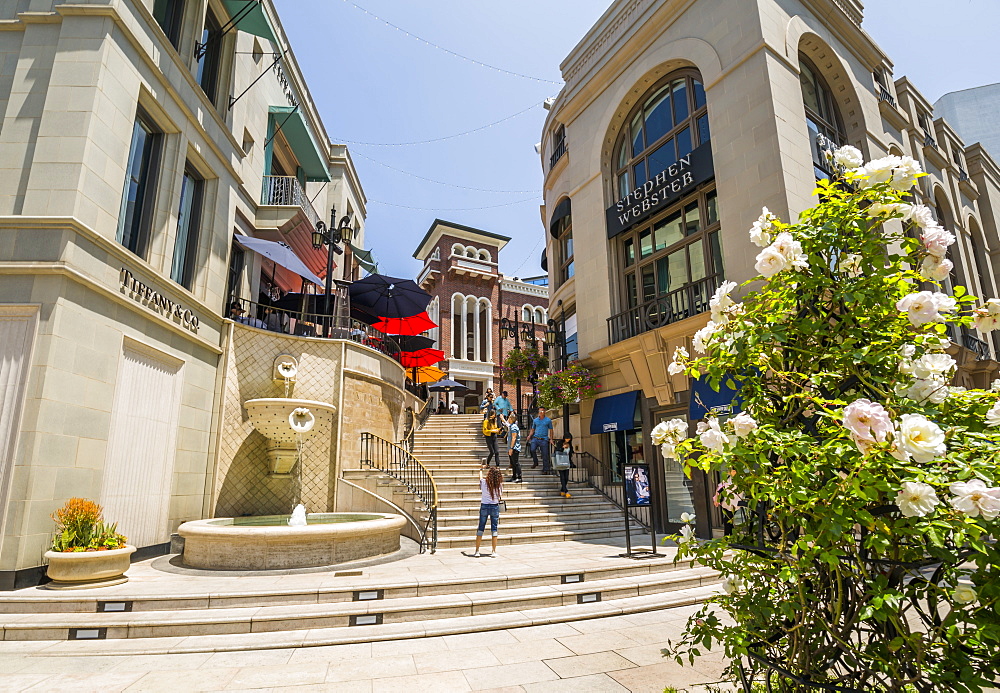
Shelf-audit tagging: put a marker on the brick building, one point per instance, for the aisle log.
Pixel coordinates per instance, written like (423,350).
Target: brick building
(470,298)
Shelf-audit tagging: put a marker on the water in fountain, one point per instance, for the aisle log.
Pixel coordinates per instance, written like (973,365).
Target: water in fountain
(298,518)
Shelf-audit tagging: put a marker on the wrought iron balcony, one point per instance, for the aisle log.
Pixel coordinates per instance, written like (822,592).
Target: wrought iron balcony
(286,191)
(687,301)
(884,95)
(557,153)
(929,141)
(962,175)
(981,348)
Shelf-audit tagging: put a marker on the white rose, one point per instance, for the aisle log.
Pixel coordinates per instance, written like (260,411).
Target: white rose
(921,437)
(758,236)
(850,265)
(879,170)
(722,301)
(964,594)
(732,583)
(925,306)
(916,499)
(922,216)
(687,518)
(687,534)
(934,390)
(933,364)
(905,174)
(935,268)
(743,424)
(848,157)
(975,498)
(712,436)
(678,428)
(987,318)
(703,336)
(770,262)
(993,415)
(995,385)
(791,249)
(936,240)
(659,433)
(890,209)
(668,450)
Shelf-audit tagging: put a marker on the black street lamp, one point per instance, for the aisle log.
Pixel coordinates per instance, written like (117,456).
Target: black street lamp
(519,332)
(330,237)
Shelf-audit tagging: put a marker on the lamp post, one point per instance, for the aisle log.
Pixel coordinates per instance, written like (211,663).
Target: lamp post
(330,237)
(513,329)
(555,336)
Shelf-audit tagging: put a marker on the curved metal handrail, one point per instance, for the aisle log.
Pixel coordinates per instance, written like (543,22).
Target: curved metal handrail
(399,463)
(610,488)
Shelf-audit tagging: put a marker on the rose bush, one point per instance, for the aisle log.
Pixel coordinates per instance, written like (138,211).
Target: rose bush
(865,491)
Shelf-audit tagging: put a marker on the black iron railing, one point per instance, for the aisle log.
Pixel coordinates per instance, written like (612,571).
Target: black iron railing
(413,422)
(962,175)
(929,141)
(679,304)
(397,462)
(608,482)
(302,324)
(884,95)
(981,348)
(557,153)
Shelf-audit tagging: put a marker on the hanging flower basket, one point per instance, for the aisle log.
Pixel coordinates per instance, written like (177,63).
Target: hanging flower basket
(519,364)
(567,386)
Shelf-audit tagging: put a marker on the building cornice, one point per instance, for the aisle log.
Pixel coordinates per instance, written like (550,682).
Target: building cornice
(449,228)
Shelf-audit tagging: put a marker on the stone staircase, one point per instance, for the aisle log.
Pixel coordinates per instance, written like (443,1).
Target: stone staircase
(452,447)
(188,616)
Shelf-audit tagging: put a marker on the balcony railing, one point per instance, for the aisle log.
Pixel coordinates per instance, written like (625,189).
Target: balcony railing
(302,324)
(677,305)
(557,153)
(962,175)
(884,95)
(286,191)
(974,344)
(929,141)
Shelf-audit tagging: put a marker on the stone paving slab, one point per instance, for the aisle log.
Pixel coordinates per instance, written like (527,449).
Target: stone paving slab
(549,658)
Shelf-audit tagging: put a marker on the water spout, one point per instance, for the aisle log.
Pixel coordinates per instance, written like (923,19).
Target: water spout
(298,518)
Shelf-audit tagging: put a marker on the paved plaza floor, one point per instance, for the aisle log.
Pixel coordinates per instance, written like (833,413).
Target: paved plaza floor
(620,653)
(610,653)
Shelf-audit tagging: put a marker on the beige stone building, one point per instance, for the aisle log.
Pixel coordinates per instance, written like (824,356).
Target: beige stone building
(679,120)
(140,141)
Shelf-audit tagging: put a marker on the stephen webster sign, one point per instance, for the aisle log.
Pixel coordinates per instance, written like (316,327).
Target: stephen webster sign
(157,302)
(666,187)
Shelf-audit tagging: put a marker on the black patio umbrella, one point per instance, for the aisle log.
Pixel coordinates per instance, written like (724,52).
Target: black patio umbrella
(389,297)
(413,343)
(446,386)
(293,303)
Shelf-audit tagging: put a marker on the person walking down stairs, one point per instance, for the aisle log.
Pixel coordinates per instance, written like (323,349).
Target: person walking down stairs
(491,484)
(514,431)
(491,429)
(562,461)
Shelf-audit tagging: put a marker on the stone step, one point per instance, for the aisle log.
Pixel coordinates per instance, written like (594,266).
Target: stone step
(514,495)
(573,505)
(507,539)
(518,526)
(516,518)
(300,617)
(389,631)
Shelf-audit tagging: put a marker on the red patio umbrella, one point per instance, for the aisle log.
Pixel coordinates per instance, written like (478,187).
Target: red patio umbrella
(419,359)
(415,324)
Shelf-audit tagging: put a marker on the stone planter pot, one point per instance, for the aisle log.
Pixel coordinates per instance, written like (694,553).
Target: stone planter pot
(71,570)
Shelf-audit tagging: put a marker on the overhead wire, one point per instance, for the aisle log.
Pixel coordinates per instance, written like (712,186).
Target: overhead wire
(445,137)
(449,51)
(527,257)
(441,182)
(452,209)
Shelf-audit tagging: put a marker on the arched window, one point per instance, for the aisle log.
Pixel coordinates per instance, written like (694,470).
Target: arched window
(667,125)
(822,116)
(670,265)
(471,328)
(458,249)
(485,320)
(470,252)
(457,326)
(484,255)
(526,313)
(562,230)
(979,254)
(539,316)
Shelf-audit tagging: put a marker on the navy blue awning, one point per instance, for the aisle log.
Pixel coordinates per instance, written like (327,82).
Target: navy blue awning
(705,400)
(615,413)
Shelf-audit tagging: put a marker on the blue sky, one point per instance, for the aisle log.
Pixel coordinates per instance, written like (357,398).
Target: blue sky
(374,84)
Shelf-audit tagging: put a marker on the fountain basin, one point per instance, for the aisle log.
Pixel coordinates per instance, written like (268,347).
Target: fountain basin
(269,415)
(267,542)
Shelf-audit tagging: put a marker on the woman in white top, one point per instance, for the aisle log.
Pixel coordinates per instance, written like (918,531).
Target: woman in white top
(491,484)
